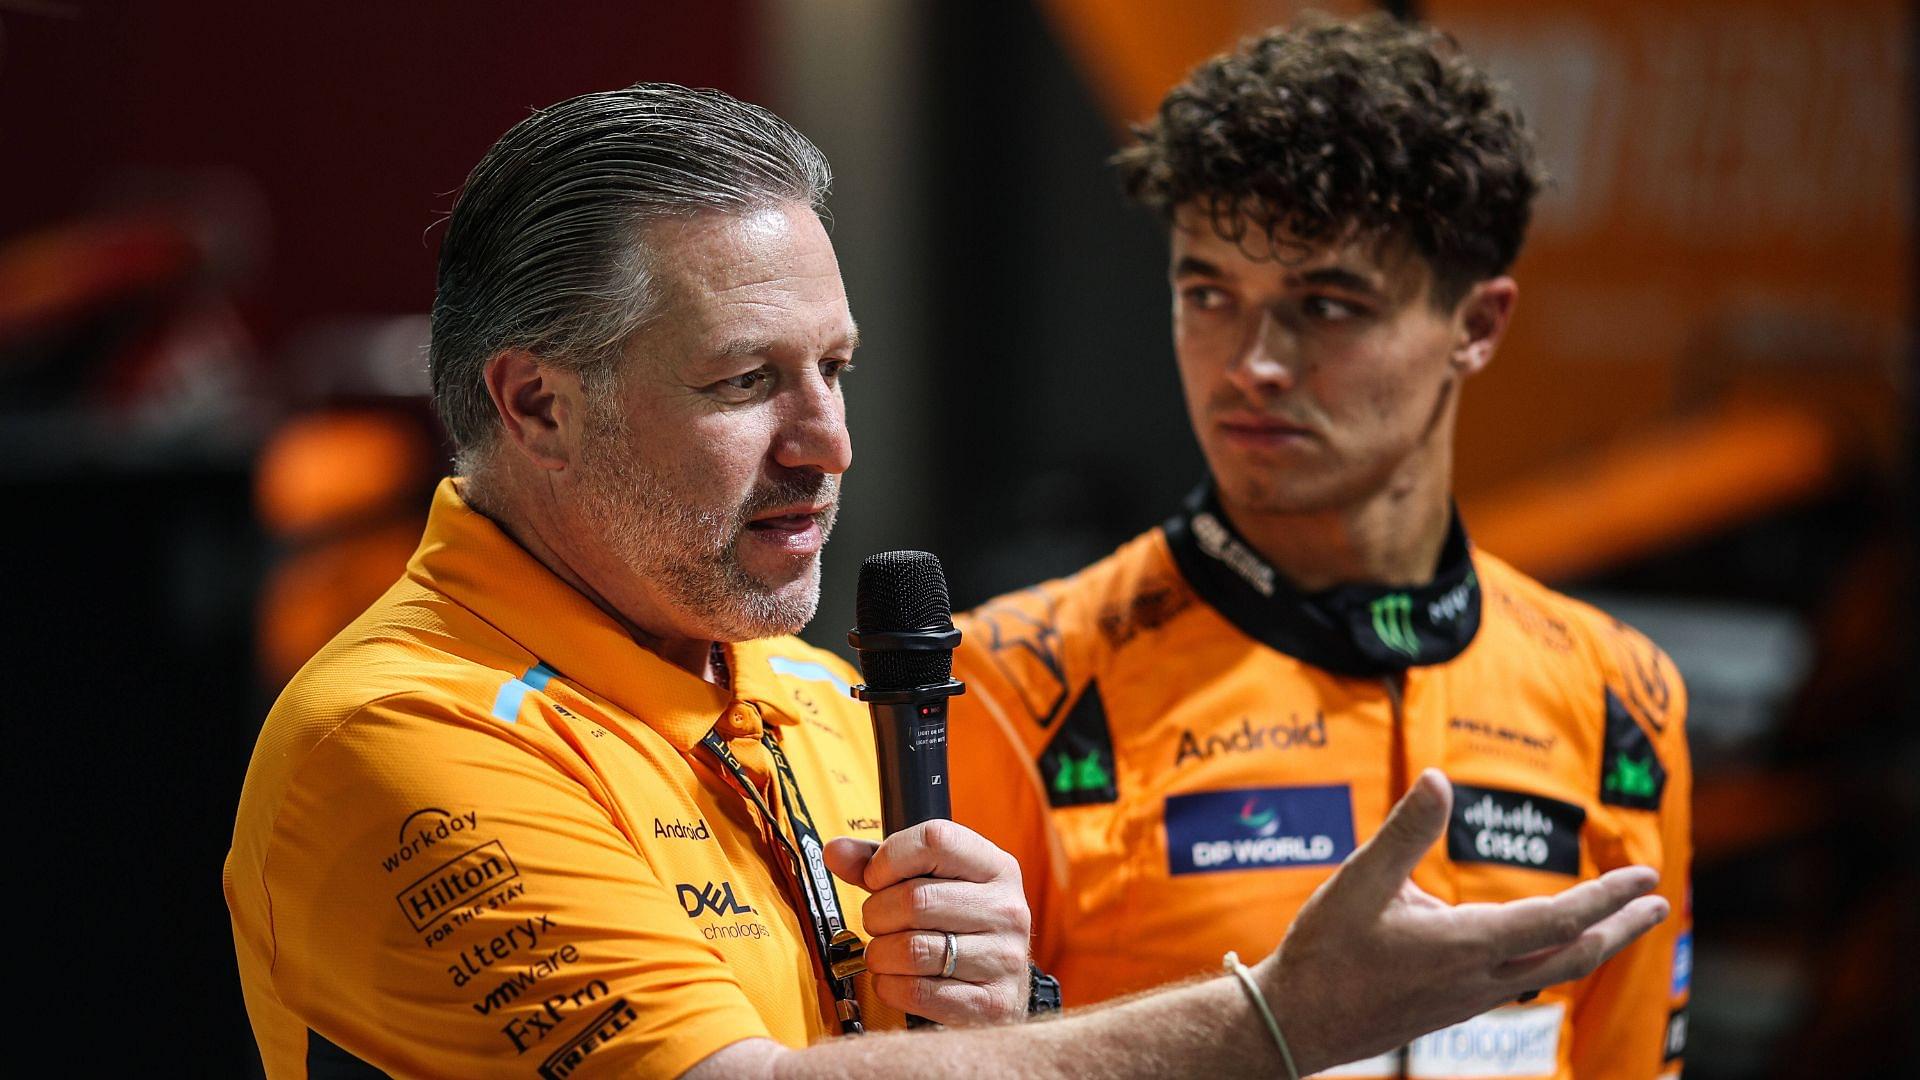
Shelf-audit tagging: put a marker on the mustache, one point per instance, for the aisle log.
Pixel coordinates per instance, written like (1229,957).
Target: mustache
(790,488)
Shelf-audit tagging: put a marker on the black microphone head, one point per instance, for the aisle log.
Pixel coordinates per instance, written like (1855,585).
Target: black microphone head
(903,592)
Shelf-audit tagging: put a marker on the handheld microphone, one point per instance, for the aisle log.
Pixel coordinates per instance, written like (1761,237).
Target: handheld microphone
(904,633)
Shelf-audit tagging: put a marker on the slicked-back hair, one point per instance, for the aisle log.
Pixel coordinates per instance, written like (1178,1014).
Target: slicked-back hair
(545,249)
(1330,129)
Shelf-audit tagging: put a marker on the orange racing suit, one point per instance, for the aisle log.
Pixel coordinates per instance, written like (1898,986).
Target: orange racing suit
(1179,748)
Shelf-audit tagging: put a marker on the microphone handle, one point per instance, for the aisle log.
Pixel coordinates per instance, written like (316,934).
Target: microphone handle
(910,739)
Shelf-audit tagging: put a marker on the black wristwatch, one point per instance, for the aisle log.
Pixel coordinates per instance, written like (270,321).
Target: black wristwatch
(1043,995)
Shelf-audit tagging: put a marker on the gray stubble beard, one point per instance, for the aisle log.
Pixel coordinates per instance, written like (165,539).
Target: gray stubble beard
(692,556)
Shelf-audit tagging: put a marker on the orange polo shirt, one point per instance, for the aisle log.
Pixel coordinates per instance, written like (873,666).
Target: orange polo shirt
(479,836)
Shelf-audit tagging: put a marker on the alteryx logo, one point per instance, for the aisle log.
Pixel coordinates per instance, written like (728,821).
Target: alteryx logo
(1258,829)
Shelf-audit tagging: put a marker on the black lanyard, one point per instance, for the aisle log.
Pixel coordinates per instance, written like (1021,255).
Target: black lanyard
(841,953)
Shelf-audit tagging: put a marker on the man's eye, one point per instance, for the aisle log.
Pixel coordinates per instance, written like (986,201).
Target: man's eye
(1328,309)
(1205,297)
(834,369)
(745,383)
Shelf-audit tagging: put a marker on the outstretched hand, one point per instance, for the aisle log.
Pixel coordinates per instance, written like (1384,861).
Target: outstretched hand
(1373,961)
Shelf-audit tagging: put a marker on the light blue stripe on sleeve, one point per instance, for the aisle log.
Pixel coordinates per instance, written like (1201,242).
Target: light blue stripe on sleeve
(506,704)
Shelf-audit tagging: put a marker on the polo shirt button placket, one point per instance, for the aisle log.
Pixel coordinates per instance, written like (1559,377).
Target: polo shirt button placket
(741,721)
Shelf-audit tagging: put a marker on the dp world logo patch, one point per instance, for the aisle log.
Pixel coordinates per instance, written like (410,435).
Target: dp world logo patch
(1259,829)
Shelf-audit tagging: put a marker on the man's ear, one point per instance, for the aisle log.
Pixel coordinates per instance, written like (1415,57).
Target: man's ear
(541,407)
(1482,322)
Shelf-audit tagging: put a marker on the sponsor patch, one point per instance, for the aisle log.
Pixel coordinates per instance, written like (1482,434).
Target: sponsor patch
(1504,740)
(675,829)
(1517,1041)
(600,1030)
(1258,828)
(1077,765)
(456,884)
(427,828)
(717,898)
(1630,772)
(532,1028)
(1248,737)
(1676,1034)
(1153,607)
(1513,828)
(509,989)
(1218,542)
(1683,964)
(1022,637)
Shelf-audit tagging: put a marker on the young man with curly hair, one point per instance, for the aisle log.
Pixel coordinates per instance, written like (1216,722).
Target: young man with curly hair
(1181,742)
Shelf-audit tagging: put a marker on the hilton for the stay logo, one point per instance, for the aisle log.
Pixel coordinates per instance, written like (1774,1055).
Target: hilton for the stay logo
(455,887)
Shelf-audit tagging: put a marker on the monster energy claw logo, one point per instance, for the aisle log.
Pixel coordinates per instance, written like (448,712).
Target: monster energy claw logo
(1393,623)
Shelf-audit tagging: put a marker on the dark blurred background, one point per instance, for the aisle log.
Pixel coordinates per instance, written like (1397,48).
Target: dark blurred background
(217,244)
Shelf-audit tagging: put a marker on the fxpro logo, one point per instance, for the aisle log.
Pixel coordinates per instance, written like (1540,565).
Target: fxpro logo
(717,898)
(1258,828)
(531,1028)
(1248,738)
(1511,828)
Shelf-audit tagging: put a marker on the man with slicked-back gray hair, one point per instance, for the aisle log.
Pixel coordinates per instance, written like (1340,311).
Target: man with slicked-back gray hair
(570,798)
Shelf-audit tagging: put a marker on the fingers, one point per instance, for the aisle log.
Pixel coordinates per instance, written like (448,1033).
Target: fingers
(964,907)
(940,849)
(1590,948)
(848,857)
(978,958)
(1373,875)
(1524,927)
(952,1002)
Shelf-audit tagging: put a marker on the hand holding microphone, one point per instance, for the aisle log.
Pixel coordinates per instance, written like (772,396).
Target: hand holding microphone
(947,914)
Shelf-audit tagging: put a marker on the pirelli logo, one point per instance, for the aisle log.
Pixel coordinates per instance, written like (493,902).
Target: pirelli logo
(456,883)
(599,1031)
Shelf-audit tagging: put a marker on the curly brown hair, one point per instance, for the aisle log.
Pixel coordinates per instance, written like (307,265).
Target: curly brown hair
(1375,126)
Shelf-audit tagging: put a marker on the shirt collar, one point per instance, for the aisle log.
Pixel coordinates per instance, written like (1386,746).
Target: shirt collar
(1357,629)
(473,562)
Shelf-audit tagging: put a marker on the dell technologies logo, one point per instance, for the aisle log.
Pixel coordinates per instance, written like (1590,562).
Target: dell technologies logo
(717,898)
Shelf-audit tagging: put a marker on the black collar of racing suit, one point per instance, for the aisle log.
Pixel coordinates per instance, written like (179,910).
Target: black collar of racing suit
(1356,630)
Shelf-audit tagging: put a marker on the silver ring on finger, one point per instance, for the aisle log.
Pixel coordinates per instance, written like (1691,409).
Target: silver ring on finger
(952,956)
